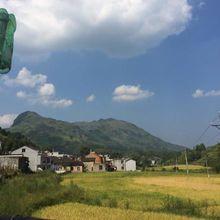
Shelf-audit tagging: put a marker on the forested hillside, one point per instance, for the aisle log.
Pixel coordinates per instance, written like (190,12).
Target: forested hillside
(104,135)
(10,141)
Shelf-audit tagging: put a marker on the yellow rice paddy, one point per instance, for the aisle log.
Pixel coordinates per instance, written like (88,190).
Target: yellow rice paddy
(137,195)
(75,211)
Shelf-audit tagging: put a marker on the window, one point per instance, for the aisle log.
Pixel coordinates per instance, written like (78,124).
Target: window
(78,168)
(23,150)
(100,167)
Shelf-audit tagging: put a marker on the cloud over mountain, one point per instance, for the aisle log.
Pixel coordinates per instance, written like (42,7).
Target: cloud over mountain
(7,120)
(35,89)
(129,93)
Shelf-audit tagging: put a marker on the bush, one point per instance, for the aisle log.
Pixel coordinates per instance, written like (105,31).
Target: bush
(217,168)
(24,194)
(180,206)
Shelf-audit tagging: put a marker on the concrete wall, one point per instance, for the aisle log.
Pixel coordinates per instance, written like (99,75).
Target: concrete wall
(130,165)
(89,166)
(94,167)
(77,169)
(32,155)
(118,164)
(9,162)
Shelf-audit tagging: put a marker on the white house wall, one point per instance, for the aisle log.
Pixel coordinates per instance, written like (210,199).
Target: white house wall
(118,164)
(32,155)
(130,165)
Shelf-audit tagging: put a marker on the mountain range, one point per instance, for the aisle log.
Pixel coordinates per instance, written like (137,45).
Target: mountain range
(105,135)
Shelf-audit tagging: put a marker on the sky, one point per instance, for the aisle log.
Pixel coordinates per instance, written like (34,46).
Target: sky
(153,63)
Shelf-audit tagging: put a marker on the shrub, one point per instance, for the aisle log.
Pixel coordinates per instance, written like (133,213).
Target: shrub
(24,194)
(217,168)
(94,201)
(180,206)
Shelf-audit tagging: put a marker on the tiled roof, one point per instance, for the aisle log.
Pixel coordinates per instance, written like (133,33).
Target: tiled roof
(65,161)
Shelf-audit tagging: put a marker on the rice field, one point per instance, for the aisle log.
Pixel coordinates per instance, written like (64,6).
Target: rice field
(141,195)
(76,211)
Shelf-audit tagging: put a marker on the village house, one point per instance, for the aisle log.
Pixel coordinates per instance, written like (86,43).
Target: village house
(129,164)
(124,164)
(37,160)
(14,162)
(118,164)
(94,162)
(66,164)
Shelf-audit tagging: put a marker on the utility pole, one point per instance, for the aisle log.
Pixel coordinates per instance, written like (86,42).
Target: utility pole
(206,163)
(176,164)
(187,165)
(216,122)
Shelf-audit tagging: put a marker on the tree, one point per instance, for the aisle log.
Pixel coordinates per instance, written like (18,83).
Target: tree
(199,150)
(84,151)
(200,147)
(217,164)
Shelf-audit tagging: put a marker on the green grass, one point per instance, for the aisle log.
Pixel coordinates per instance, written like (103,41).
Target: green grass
(181,168)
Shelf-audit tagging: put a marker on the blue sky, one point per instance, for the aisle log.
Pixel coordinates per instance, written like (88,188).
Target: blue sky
(165,81)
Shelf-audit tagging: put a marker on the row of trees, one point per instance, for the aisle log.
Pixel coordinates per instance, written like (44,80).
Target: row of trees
(201,154)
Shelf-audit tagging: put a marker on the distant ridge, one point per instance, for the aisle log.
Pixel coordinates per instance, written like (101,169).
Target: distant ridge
(103,135)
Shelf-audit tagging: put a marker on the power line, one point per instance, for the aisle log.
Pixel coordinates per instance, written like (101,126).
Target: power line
(212,124)
(203,133)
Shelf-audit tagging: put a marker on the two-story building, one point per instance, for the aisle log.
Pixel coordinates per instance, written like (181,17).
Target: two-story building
(94,162)
(124,164)
(37,160)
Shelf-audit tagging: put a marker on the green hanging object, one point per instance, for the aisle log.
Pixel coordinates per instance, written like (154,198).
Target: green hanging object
(7,30)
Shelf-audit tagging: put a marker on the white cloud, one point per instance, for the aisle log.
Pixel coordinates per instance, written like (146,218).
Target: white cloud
(7,120)
(26,79)
(122,28)
(128,93)
(21,94)
(213,93)
(200,93)
(39,90)
(61,103)
(47,89)
(90,98)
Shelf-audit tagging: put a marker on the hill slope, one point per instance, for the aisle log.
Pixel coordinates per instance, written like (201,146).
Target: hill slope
(10,141)
(105,135)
